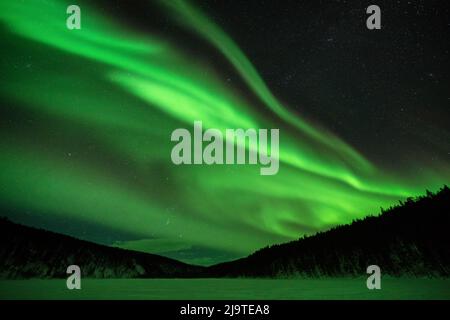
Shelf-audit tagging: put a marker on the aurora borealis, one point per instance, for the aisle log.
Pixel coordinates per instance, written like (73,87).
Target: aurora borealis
(85,138)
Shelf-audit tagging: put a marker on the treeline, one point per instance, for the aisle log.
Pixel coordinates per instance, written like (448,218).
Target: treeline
(27,252)
(410,239)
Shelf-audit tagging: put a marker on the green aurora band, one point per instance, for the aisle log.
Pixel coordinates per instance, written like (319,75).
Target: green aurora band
(104,101)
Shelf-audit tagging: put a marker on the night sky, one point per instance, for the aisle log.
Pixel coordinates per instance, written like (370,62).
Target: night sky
(385,92)
(87,115)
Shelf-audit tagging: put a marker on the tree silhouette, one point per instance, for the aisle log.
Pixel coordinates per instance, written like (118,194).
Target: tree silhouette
(410,239)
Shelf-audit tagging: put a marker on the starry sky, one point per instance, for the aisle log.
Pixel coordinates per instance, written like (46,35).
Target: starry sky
(86,117)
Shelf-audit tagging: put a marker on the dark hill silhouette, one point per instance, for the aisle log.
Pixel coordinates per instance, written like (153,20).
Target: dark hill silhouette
(411,239)
(27,252)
